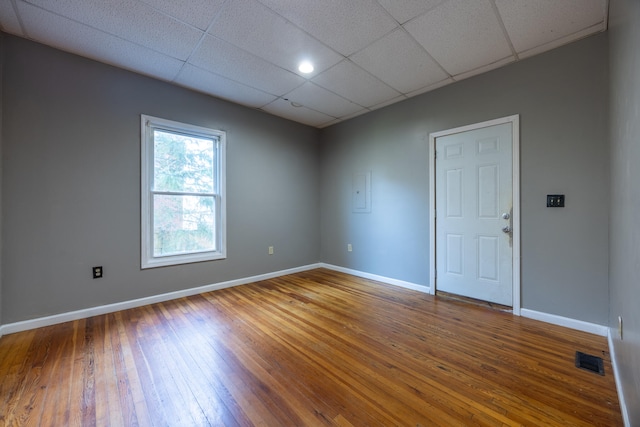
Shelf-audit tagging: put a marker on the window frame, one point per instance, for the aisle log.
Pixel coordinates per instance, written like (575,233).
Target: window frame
(148,124)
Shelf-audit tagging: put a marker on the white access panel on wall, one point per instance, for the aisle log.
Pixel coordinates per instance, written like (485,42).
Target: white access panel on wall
(361,192)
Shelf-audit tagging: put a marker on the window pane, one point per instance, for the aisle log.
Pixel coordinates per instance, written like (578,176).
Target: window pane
(183,224)
(183,163)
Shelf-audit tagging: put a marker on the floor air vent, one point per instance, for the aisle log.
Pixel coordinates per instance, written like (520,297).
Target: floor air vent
(589,363)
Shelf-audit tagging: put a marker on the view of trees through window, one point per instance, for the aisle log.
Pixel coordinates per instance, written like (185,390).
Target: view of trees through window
(184,194)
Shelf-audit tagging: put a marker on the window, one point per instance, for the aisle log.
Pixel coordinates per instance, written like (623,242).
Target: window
(183,193)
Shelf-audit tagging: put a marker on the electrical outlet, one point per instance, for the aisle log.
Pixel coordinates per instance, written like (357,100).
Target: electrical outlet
(620,327)
(97,272)
(270,250)
(349,247)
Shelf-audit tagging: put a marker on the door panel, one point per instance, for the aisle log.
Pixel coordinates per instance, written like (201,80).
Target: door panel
(455,257)
(454,193)
(473,191)
(488,258)
(488,200)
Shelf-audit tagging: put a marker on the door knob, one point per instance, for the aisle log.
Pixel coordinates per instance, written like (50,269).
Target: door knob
(506,229)
(506,215)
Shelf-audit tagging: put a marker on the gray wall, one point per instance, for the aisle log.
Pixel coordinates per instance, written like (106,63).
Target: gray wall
(561,97)
(624,274)
(71,184)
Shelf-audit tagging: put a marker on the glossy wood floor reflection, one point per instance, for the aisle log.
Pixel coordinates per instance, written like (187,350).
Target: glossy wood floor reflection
(310,349)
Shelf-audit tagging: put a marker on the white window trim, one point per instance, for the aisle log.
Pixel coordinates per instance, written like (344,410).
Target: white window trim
(147,126)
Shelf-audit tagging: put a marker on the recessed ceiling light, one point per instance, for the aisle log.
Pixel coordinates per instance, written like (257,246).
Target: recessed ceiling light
(305,67)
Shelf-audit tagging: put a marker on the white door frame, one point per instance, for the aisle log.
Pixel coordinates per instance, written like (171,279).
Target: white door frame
(515,126)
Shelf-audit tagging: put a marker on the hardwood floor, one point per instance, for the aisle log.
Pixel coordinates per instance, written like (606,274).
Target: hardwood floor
(310,349)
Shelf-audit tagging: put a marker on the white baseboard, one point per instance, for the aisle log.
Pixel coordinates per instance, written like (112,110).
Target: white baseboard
(383,279)
(110,308)
(579,325)
(616,374)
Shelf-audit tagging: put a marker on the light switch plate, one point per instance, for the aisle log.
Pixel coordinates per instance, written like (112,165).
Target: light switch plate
(555,200)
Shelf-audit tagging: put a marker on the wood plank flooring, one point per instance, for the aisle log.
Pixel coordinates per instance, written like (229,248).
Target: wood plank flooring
(310,349)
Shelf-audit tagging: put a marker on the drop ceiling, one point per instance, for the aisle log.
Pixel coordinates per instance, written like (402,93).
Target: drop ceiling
(367,54)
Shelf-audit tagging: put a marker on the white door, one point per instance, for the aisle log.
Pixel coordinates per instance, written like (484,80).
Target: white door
(473,213)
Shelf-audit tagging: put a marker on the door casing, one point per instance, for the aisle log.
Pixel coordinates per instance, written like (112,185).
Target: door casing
(515,127)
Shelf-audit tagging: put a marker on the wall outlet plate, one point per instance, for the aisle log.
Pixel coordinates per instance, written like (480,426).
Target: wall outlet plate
(97,272)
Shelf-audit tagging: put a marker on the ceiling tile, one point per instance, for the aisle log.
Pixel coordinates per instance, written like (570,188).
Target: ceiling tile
(531,23)
(400,62)
(404,10)
(305,115)
(346,26)
(331,123)
(484,68)
(9,20)
(461,35)
(388,102)
(131,20)
(356,114)
(72,37)
(313,96)
(222,58)
(434,86)
(353,83)
(199,13)
(221,87)
(562,41)
(257,29)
